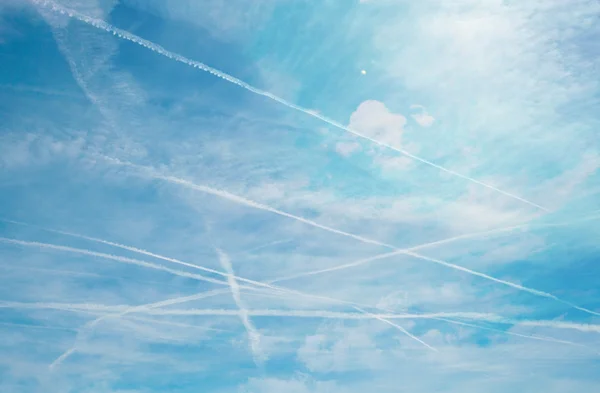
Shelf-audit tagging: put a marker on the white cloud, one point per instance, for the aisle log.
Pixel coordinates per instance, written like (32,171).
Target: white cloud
(423,118)
(374,119)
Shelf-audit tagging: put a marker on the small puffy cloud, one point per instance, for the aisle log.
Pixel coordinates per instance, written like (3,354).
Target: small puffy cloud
(423,118)
(372,118)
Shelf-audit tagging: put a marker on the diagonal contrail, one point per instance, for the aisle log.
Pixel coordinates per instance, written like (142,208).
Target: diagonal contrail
(141,308)
(253,335)
(100,24)
(115,258)
(256,205)
(266,245)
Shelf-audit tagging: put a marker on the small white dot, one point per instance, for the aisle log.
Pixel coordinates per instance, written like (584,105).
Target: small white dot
(363,72)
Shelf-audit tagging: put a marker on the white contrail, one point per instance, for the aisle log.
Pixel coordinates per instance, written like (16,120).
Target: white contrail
(114,258)
(492,318)
(235,313)
(247,202)
(100,24)
(253,335)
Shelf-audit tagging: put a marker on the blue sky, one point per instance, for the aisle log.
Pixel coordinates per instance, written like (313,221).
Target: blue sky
(308,196)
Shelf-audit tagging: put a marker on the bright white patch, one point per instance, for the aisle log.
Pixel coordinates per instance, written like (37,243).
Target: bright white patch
(374,119)
(424,119)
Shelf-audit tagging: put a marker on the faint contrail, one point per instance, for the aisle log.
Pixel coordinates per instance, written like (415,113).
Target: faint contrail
(44,327)
(247,202)
(270,244)
(403,330)
(63,357)
(100,24)
(539,338)
(253,335)
(90,325)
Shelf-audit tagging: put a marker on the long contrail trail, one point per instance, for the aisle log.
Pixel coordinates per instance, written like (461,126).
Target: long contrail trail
(250,203)
(114,258)
(266,313)
(492,318)
(100,24)
(253,335)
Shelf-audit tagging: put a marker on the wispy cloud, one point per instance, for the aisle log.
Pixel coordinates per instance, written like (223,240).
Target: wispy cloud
(160,50)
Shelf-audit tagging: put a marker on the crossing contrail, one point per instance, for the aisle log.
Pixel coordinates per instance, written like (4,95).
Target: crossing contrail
(256,205)
(100,24)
